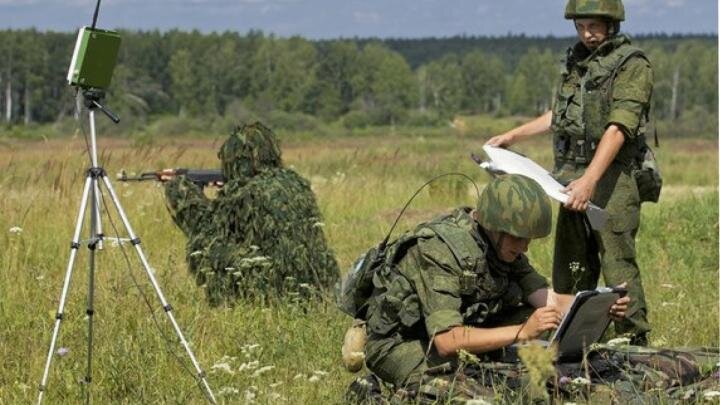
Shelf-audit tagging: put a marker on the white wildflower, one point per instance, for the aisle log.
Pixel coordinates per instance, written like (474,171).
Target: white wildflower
(621,341)
(305,285)
(252,365)
(318,224)
(40,277)
(15,229)
(314,379)
(248,349)
(222,367)
(321,373)
(249,396)
(338,177)
(581,381)
(262,370)
(711,394)
(298,376)
(228,391)
(667,286)
(195,253)
(477,402)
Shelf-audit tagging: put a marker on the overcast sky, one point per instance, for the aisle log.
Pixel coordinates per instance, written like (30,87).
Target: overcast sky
(347,18)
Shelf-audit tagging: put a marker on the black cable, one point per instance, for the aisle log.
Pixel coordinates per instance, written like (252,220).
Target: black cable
(167,341)
(392,228)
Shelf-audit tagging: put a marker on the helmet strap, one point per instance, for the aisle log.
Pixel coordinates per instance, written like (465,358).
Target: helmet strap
(613,27)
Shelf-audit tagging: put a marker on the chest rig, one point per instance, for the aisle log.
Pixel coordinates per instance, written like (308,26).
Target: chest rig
(583,101)
(484,283)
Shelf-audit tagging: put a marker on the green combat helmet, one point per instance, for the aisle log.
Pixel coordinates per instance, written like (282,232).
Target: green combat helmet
(249,150)
(612,9)
(516,205)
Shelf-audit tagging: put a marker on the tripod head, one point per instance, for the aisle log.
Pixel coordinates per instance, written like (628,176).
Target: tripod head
(92,98)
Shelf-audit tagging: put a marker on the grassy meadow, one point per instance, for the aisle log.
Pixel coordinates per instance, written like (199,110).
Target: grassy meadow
(279,351)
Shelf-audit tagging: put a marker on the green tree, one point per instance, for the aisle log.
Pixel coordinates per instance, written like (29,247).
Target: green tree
(384,84)
(333,91)
(283,73)
(444,81)
(483,81)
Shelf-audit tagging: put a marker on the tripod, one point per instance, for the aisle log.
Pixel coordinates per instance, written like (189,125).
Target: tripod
(91,197)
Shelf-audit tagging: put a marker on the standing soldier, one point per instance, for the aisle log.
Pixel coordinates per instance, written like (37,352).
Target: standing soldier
(262,234)
(598,123)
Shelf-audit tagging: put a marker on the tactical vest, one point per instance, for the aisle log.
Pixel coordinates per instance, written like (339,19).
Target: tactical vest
(582,107)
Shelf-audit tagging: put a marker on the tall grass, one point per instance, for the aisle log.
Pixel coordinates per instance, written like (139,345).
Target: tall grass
(279,350)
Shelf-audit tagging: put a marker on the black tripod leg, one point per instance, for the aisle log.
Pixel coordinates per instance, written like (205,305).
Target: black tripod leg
(66,285)
(94,243)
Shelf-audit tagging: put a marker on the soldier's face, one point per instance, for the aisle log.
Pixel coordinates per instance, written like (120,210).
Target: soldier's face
(509,247)
(592,31)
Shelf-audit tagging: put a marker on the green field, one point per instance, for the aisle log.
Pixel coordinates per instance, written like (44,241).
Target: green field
(280,350)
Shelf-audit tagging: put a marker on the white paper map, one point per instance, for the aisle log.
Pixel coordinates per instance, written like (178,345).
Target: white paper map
(506,161)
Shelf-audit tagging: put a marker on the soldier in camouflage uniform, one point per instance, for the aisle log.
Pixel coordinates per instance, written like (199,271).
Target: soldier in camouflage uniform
(598,122)
(461,282)
(262,234)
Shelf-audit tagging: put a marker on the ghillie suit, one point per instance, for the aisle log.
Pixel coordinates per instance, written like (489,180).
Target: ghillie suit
(262,234)
(617,375)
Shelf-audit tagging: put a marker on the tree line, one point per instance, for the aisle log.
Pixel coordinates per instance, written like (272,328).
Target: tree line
(358,82)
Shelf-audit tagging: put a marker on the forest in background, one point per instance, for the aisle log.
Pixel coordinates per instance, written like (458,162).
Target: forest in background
(178,82)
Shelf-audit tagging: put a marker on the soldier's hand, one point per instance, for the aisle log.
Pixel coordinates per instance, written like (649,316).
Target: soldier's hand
(619,308)
(579,193)
(543,319)
(166,174)
(501,141)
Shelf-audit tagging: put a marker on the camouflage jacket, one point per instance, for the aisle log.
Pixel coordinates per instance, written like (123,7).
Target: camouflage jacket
(611,85)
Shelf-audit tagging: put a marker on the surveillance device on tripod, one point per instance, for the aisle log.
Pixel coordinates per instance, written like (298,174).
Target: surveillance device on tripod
(93,62)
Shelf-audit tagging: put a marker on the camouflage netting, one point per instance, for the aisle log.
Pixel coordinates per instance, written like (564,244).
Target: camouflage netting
(609,375)
(263,234)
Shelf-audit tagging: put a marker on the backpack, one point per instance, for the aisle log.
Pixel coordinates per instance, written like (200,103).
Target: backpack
(355,289)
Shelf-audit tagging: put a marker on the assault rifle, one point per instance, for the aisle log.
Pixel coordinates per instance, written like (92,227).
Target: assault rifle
(201,177)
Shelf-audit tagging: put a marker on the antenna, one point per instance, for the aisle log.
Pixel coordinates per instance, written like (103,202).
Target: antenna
(95,15)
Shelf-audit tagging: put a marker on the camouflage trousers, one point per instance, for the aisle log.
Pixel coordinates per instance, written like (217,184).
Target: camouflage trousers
(627,374)
(582,254)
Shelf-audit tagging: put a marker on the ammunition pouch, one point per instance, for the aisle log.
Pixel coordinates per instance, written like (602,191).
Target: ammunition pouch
(647,176)
(569,149)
